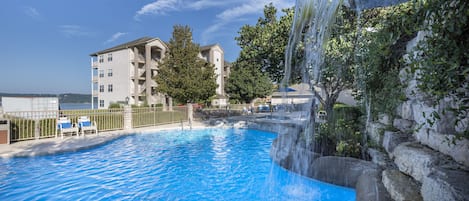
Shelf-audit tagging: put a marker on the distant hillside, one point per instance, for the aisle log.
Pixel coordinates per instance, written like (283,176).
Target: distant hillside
(63,98)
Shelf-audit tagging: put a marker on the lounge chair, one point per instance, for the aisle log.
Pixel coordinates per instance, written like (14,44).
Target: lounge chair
(64,125)
(85,124)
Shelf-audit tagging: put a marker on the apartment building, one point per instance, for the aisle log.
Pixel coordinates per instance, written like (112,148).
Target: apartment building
(124,73)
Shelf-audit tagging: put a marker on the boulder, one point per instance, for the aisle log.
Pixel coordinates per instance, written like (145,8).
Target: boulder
(370,187)
(385,119)
(415,160)
(446,185)
(459,150)
(379,158)
(404,125)
(400,186)
(392,139)
(343,171)
(405,111)
(375,132)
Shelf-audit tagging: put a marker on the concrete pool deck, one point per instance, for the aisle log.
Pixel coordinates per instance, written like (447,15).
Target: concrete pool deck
(58,145)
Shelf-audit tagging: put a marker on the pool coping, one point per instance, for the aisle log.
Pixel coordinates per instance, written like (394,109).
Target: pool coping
(51,146)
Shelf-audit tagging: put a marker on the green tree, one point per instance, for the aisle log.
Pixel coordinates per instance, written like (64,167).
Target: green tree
(337,71)
(182,74)
(263,45)
(246,84)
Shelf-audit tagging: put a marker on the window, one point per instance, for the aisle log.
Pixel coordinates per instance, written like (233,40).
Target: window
(109,88)
(101,58)
(101,88)
(109,72)
(101,103)
(109,57)
(101,73)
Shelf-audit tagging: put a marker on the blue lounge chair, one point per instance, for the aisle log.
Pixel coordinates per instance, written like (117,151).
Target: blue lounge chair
(64,125)
(85,124)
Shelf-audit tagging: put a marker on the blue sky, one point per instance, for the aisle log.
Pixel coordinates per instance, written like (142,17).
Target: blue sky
(46,43)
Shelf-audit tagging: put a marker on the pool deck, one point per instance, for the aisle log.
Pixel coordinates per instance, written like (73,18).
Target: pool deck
(58,145)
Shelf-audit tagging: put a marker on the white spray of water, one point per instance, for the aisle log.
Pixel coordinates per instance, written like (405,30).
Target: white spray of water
(308,37)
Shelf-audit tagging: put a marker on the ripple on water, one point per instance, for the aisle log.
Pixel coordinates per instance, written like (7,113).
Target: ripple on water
(220,164)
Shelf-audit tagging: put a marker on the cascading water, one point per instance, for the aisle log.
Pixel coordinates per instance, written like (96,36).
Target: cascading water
(304,57)
(310,31)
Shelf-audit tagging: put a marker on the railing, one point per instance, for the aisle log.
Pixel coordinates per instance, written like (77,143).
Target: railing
(143,117)
(43,124)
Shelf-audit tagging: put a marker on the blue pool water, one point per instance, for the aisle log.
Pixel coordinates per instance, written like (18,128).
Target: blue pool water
(212,164)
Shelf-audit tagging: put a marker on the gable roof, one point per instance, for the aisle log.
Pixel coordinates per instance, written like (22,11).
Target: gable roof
(208,47)
(133,43)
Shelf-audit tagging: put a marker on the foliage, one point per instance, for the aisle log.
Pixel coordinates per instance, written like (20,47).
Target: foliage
(381,47)
(115,105)
(341,136)
(182,74)
(442,64)
(263,45)
(246,84)
(337,71)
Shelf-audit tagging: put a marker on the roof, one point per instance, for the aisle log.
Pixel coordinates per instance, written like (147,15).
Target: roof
(207,47)
(297,90)
(133,43)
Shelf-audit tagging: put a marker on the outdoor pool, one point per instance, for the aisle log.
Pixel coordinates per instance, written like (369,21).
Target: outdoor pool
(209,164)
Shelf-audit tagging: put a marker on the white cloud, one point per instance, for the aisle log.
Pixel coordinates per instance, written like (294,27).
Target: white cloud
(32,12)
(115,36)
(204,4)
(159,7)
(230,10)
(71,30)
(235,13)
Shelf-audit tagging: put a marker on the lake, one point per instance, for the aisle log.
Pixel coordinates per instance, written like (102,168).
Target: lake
(76,106)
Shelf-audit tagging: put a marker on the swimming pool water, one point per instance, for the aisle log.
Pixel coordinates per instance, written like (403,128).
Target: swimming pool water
(209,164)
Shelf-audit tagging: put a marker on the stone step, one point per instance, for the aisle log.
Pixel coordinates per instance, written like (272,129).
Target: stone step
(446,184)
(400,186)
(441,177)
(392,139)
(415,160)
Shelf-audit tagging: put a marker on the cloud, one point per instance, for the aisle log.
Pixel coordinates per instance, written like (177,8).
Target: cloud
(73,30)
(115,36)
(204,4)
(236,13)
(159,7)
(230,10)
(32,12)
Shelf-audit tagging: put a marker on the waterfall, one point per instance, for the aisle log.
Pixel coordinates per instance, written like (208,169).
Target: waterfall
(308,36)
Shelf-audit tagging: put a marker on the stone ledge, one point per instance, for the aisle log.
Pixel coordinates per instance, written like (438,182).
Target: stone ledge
(343,171)
(401,187)
(446,184)
(415,160)
(442,143)
(392,139)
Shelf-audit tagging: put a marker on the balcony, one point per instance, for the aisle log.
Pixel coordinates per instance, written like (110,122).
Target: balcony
(141,74)
(94,64)
(140,59)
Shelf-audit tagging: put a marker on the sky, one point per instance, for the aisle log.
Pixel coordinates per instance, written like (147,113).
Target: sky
(47,43)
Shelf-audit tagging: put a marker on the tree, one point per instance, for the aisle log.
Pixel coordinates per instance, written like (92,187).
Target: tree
(337,71)
(263,45)
(182,74)
(245,84)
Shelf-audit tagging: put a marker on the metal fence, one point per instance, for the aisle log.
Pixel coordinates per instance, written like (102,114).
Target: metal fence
(143,117)
(43,124)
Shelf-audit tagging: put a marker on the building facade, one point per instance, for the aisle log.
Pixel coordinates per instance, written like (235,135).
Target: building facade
(124,74)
